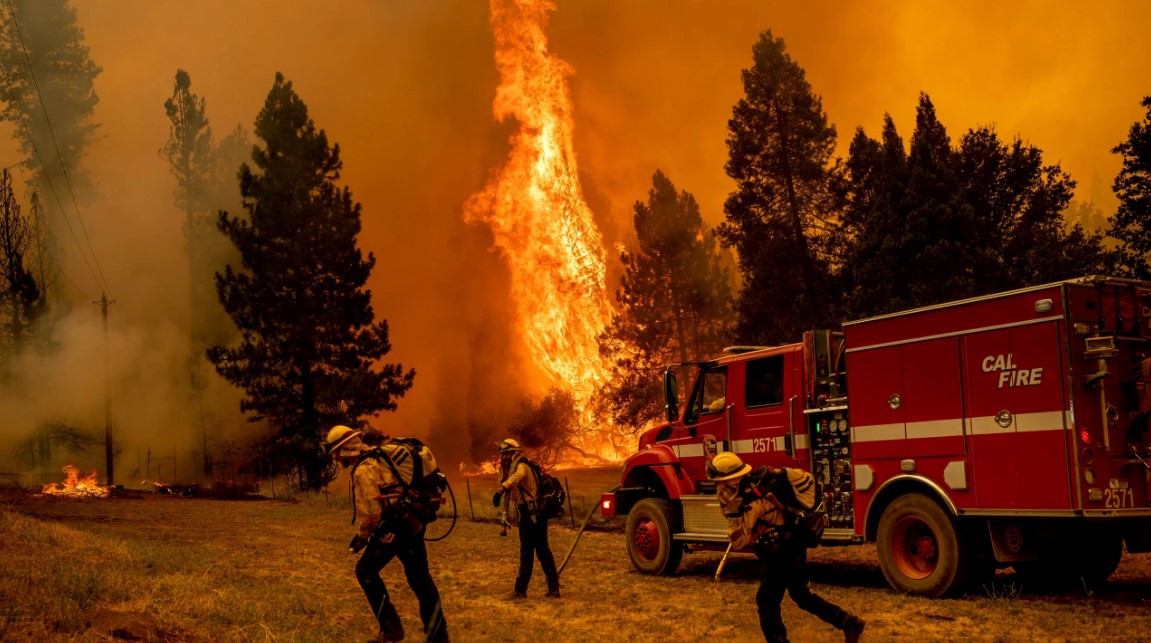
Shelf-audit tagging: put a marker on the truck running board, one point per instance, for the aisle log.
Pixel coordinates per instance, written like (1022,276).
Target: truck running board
(700,538)
(841,535)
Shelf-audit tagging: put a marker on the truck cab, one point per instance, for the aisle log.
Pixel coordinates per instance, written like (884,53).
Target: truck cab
(753,401)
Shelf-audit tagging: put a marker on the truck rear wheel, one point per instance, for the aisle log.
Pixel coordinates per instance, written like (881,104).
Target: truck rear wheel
(919,547)
(650,525)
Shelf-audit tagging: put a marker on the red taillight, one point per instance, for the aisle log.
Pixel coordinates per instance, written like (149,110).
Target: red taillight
(607,505)
(1085,436)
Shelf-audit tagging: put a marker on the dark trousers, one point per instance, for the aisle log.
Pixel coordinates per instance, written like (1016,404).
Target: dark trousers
(534,542)
(787,572)
(413,554)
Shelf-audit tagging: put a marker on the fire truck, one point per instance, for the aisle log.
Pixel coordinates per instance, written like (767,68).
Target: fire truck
(1004,430)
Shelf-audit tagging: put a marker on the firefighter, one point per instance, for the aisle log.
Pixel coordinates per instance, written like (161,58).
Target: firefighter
(519,488)
(759,521)
(387,529)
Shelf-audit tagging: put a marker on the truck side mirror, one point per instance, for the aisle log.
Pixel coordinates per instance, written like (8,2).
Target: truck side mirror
(671,395)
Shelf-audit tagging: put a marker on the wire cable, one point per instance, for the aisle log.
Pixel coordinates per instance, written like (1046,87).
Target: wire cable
(97,274)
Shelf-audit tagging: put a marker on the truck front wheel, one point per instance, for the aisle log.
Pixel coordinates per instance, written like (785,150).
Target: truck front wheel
(650,525)
(919,547)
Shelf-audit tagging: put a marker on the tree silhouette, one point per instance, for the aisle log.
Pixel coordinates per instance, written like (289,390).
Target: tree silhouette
(19,292)
(46,79)
(780,154)
(188,152)
(547,426)
(310,348)
(1131,224)
(673,303)
(955,222)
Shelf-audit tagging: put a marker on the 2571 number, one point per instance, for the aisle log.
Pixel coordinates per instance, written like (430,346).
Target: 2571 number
(1118,498)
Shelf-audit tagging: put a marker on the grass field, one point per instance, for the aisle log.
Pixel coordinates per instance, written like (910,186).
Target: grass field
(165,568)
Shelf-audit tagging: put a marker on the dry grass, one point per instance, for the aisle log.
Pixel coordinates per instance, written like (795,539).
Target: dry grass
(188,569)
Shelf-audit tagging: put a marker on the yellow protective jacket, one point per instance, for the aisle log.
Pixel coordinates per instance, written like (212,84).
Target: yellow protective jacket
(519,484)
(374,488)
(745,525)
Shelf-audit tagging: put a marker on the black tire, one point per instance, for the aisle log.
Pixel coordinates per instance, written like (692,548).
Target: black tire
(920,549)
(1101,558)
(650,525)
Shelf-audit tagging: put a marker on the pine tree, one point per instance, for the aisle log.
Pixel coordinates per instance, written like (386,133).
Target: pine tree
(955,222)
(46,79)
(310,348)
(19,291)
(876,220)
(1131,224)
(1020,207)
(189,155)
(673,302)
(780,154)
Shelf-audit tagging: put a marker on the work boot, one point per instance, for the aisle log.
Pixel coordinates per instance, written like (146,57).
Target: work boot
(517,595)
(853,628)
(390,632)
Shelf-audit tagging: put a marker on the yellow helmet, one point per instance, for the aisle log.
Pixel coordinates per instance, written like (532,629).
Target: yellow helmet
(337,437)
(726,466)
(509,445)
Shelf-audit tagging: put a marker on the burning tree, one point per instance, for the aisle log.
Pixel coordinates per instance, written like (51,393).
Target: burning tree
(310,348)
(536,209)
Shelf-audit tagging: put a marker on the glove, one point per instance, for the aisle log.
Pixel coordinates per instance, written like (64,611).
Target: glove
(497,497)
(357,544)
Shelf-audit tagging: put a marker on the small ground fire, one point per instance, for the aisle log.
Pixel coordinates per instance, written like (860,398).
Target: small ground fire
(75,485)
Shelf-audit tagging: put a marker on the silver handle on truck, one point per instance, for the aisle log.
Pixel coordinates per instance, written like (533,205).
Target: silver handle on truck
(791,425)
(727,444)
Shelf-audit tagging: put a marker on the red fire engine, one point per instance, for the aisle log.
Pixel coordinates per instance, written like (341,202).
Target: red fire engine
(1005,430)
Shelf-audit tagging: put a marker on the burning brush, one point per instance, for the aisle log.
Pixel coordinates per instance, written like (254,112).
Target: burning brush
(75,486)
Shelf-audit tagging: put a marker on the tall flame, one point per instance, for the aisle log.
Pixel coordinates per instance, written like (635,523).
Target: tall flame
(535,206)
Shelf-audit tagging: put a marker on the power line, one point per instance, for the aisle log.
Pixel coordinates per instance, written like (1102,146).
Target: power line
(97,274)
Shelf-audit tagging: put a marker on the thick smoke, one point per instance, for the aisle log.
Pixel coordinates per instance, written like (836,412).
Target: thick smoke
(405,89)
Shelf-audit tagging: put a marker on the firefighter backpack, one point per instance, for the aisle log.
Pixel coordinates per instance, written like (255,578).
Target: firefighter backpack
(805,519)
(413,463)
(550,501)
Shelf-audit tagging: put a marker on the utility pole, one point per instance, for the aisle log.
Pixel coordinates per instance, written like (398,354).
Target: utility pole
(104,303)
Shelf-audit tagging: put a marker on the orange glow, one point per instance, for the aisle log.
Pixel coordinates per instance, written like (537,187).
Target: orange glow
(74,485)
(482,469)
(535,206)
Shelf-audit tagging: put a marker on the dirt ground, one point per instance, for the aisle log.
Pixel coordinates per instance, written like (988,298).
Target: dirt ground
(169,568)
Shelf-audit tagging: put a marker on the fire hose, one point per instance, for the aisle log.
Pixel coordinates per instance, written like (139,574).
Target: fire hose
(576,541)
(455,514)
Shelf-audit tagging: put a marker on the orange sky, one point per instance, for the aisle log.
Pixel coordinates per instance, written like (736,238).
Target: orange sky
(405,88)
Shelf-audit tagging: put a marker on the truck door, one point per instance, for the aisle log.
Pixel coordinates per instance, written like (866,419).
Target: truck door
(768,427)
(707,422)
(1016,412)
